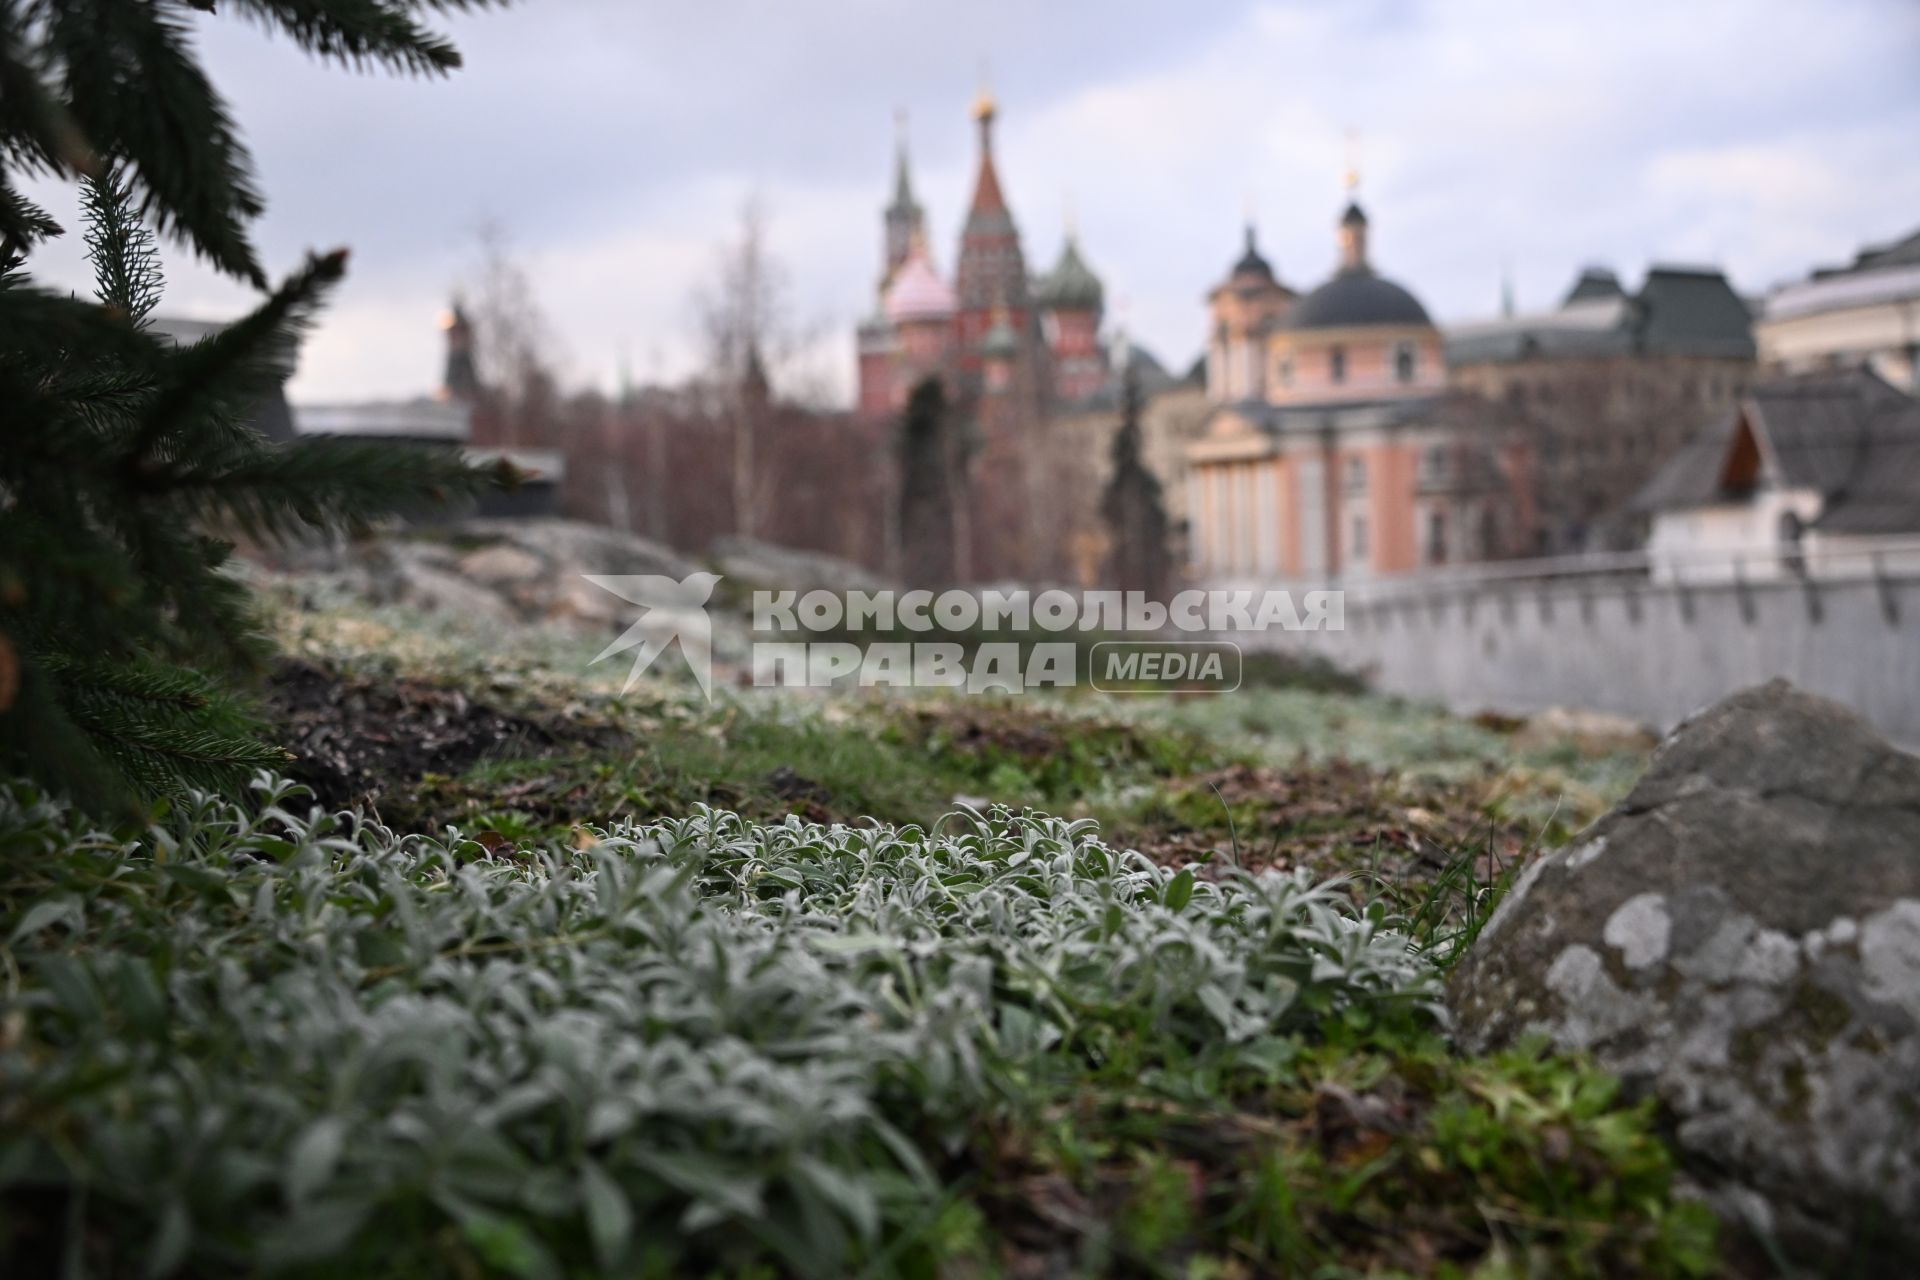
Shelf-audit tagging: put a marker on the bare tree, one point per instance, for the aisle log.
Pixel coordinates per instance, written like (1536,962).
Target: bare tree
(514,345)
(757,353)
(928,510)
(742,313)
(1136,517)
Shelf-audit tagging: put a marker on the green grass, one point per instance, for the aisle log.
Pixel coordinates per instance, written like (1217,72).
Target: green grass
(258,1038)
(829,1027)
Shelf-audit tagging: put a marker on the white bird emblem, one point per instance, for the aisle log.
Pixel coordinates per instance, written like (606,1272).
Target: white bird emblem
(671,610)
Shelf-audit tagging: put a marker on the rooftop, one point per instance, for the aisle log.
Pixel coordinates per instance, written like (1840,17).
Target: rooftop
(1848,436)
(1678,310)
(420,419)
(917,291)
(1071,283)
(1356,296)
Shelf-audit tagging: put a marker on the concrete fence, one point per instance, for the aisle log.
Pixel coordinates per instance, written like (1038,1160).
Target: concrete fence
(1606,636)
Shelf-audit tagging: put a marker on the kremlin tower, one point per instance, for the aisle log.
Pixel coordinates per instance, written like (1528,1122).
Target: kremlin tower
(906,221)
(994,333)
(990,277)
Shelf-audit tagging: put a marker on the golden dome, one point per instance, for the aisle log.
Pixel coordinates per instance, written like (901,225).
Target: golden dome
(984,106)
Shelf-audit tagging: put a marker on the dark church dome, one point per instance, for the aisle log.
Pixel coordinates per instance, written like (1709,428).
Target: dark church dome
(1356,297)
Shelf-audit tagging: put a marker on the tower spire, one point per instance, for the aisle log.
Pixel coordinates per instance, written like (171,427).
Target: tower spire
(459,379)
(984,107)
(902,182)
(1353,223)
(904,219)
(986,188)
(990,270)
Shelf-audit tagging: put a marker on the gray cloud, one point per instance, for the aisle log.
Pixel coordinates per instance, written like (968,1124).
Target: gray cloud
(616,140)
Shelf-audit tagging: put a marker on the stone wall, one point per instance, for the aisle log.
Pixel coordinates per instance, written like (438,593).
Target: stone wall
(1654,652)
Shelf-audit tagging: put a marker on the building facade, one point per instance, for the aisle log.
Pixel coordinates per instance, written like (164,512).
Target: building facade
(1014,352)
(1817,474)
(1864,315)
(990,329)
(1335,449)
(1614,384)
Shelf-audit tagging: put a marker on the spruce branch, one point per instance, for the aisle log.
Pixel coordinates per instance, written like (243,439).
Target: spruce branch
(22,223)
(136,92)
(38,729)
(328,483)
(46,330)
(356,32)
(126,460)
(37,130)
(243,360)
(165,750)
(91,403)
(126,263)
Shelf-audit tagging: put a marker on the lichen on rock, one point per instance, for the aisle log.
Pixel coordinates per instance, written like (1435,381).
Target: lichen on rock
(1740,938)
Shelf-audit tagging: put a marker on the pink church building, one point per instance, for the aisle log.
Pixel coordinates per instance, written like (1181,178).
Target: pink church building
(992,329)
(1335,449)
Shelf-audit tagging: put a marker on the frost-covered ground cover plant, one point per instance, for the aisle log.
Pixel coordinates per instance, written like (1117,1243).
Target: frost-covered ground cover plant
(261,1038)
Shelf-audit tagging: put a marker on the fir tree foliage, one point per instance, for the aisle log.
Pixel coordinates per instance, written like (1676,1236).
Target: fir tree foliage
(927,487)
(1134,507)
(127,462)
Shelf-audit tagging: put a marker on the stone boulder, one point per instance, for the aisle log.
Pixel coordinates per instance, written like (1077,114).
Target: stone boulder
(1740,938)
(571,547)
(762,564)
(499,566)
(406,575)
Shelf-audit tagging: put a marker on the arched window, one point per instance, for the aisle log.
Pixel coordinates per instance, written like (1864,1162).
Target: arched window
(1336,364)
(1403,361)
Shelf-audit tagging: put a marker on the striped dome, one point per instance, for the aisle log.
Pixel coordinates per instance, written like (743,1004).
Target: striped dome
(917,292)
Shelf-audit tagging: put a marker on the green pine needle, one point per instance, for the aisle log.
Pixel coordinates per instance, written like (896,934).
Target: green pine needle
(126,462)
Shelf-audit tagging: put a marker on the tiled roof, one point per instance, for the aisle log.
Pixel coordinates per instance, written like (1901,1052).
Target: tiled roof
(1693,312)
(1848,436)
(1904,252)
(1691,477)
(1595,282)
(1678,311)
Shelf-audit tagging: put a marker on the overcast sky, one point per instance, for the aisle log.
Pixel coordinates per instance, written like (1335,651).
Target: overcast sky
(616,140)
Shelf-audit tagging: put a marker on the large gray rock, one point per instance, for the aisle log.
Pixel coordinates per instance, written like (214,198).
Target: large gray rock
(406,575)
(1741,938)
(572,548)
(762,564)
(501,566)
